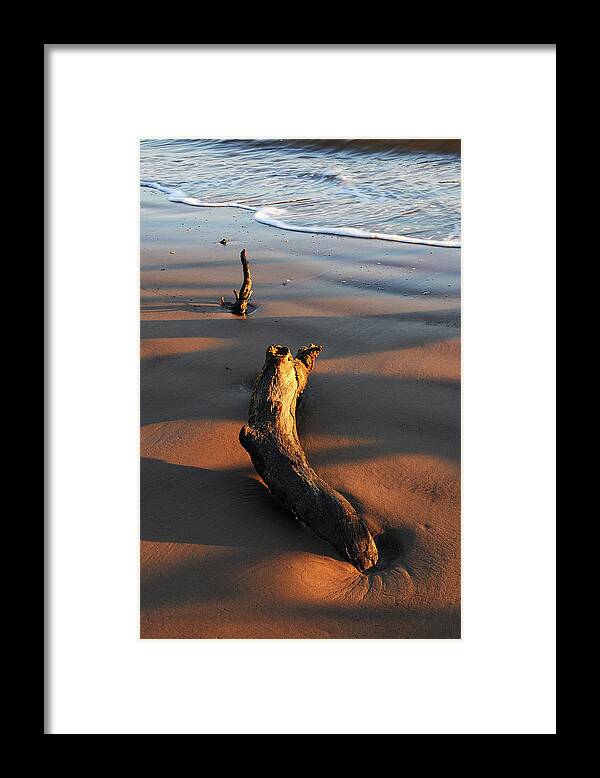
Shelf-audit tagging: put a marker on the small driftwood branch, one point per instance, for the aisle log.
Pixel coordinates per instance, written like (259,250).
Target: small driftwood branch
(240,306)
(271,439)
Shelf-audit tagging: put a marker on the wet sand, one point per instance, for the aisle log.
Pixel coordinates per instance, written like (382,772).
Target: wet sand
(380,421)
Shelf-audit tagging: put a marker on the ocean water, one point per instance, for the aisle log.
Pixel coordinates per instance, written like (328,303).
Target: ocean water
(385,190)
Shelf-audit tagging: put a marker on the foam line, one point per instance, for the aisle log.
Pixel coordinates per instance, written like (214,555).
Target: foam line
(268,216)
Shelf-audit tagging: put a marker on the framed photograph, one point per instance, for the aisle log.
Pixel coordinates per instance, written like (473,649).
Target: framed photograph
(270,469)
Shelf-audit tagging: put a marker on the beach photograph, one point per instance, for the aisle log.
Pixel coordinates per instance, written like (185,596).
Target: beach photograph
(300,400)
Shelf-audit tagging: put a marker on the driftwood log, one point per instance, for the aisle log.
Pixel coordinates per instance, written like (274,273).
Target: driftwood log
(271,439)
(240,306)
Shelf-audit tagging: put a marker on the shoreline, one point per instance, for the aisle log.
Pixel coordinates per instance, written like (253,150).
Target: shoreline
(380,422)
(265,214)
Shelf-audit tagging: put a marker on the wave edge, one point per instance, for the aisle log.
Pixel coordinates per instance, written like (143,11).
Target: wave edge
(266,216)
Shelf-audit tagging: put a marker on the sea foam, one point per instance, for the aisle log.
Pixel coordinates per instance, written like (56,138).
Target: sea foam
(269,216)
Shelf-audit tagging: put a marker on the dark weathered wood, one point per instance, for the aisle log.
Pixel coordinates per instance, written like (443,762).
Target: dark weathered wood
(240,306)
(271,439)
